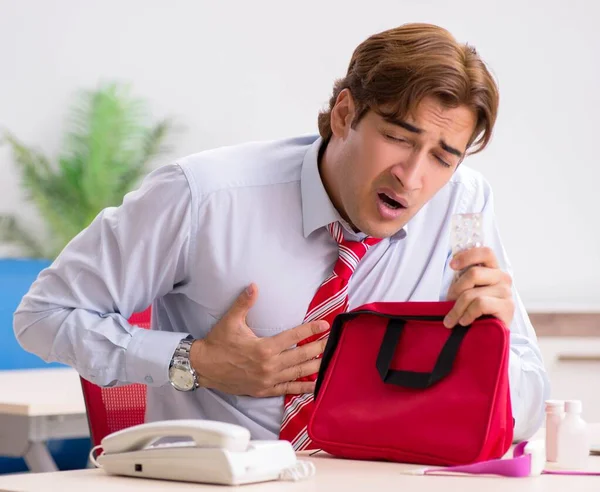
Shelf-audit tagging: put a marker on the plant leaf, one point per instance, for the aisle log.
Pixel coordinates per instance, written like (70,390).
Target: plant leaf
(153,146)
(106,150)
(12,232)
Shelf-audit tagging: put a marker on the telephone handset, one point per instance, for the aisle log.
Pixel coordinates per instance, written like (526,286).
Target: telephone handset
(214,452)
(205,434)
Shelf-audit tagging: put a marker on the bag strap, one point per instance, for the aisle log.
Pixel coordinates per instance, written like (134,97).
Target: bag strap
(414,379)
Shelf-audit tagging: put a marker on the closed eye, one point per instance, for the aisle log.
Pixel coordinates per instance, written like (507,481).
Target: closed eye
(443,162)
(396,139)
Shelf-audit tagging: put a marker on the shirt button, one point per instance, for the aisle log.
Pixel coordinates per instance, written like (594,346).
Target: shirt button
(149,379)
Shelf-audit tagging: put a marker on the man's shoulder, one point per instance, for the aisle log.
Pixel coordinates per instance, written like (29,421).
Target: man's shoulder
(256,163)
(469,178)
(467,191)
(470,184)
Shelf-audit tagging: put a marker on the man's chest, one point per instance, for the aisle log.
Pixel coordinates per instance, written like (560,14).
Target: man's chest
(288,276)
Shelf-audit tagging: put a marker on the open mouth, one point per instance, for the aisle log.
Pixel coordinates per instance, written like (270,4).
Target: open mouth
(390,202)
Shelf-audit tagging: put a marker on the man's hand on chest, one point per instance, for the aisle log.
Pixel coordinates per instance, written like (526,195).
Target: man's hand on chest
(232,359)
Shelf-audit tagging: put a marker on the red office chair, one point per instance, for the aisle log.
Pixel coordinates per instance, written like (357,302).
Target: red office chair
(113,409)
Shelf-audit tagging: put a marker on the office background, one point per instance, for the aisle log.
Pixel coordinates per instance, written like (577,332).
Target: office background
(234,71)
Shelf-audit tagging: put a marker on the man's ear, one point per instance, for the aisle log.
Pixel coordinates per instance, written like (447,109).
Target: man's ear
(342,114)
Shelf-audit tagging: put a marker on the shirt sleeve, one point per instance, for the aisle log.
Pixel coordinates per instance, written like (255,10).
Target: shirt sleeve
(76,311)
(529,383)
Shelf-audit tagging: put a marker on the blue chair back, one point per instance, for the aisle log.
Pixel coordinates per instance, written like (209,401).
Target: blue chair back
(16,277)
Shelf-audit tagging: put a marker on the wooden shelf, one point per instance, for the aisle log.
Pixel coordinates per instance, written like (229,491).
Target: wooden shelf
(566,324)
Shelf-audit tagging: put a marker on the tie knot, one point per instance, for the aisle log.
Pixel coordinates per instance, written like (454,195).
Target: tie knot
(350,252)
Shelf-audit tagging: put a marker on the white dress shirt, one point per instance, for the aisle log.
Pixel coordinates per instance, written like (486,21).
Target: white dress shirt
(198,231)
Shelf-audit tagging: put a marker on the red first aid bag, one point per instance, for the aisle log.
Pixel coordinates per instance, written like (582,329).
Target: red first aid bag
(396,384)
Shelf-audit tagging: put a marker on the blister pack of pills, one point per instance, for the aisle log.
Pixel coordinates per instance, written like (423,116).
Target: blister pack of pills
(466,231)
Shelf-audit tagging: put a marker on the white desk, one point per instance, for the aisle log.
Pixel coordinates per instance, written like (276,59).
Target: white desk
(37,405)
(332,475)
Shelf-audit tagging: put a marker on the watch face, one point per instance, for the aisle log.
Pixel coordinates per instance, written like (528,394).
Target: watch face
(181,378)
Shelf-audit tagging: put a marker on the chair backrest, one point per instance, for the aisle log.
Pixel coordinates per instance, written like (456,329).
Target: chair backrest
(16,277)
(119,407)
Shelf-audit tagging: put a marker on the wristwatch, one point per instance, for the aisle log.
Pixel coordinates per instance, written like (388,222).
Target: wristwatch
(182,375)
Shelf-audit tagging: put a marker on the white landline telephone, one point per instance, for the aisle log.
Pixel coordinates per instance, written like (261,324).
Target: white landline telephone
(215,452)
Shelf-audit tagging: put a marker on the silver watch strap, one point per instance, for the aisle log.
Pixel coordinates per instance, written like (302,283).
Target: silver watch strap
(182,356)
(184,347)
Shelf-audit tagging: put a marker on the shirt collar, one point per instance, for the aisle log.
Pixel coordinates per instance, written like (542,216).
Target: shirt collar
(317,209)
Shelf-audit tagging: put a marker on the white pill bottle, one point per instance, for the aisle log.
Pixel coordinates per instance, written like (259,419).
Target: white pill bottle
(572,439)
(555,412)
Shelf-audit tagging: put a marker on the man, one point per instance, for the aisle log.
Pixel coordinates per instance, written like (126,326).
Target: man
(230,246)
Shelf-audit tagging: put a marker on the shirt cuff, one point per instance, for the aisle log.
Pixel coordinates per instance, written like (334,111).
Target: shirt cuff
(149,354)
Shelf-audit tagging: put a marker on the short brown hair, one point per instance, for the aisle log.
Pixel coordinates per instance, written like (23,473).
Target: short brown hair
(397,68)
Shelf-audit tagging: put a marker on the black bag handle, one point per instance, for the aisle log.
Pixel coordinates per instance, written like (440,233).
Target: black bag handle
(414,379)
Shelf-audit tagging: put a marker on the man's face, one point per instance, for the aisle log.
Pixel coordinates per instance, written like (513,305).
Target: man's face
(383,172)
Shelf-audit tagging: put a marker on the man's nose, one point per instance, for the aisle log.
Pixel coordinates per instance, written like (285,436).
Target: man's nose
(410,171)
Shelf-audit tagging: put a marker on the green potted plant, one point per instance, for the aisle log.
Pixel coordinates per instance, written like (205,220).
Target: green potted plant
(108,145)
(106,151)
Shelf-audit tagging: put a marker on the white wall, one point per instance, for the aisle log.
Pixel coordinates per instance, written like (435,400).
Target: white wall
(236,71)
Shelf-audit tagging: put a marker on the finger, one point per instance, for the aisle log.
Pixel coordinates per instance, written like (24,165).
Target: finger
(484,305)
(300,371)
(466,298)
(476,276)
(290,388)
(289,338)
(295,356)
(243,303)
(474,256)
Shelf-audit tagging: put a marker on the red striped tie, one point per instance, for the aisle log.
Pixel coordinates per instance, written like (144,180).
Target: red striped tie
(330,300)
